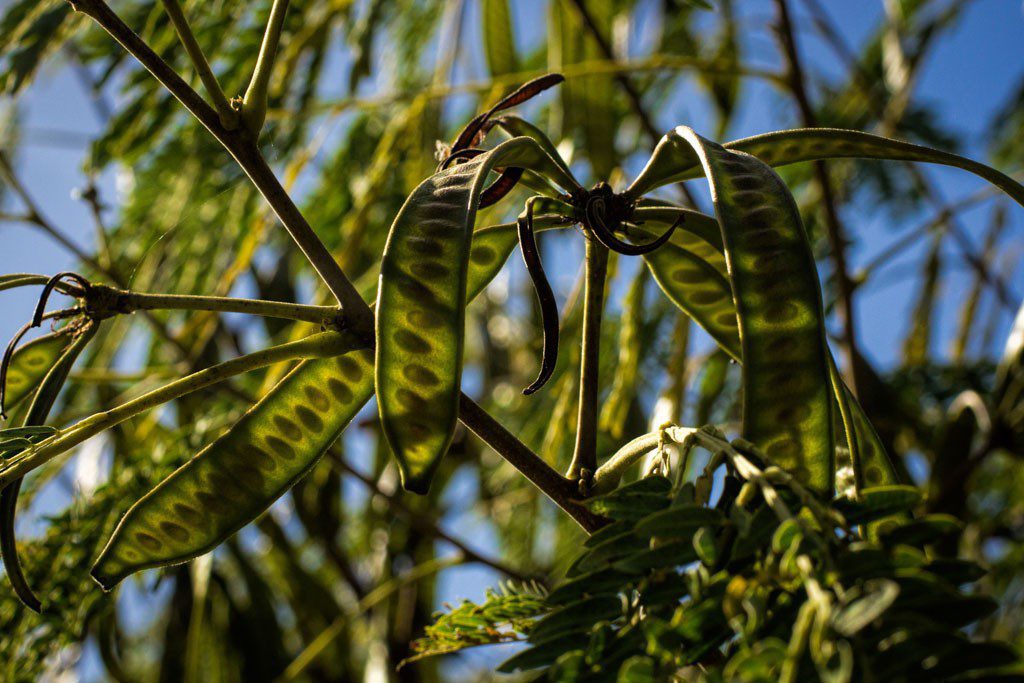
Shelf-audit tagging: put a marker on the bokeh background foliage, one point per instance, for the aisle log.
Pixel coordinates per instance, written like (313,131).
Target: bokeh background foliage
(336,581)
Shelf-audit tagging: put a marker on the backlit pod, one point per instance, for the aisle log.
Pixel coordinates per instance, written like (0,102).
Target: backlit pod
(421,300)
(671,163)
(787,405)
(30,364)
(56,373)
(234,479)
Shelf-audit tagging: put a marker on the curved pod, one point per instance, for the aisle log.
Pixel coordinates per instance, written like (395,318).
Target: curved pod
(421,300)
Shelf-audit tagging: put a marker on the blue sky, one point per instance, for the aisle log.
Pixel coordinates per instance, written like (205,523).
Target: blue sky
(970,75)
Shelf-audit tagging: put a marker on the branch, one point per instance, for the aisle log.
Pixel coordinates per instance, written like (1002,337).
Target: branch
(834,227)
(242,147)
(123,301)
(324,344)
(254,103)
(228,116)
(559,489)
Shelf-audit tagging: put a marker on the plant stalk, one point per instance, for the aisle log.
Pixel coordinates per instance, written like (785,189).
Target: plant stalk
(124,301)
(584,457)
(254,103)
(228,116)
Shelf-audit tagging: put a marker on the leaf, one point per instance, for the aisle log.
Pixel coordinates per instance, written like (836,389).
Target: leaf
(637,669)
(878,502)
(499,46)
(858,614)
(575,617)
(421,303)
(679,521)
(543,654)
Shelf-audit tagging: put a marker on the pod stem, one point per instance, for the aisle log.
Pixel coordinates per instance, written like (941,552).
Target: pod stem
(254,103)
(228,116)
(584,458)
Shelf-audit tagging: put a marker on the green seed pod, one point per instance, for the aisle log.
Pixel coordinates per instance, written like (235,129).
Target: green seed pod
(74,342)
(421,302)
(787,407)
(672,163)
(31,363)
(238,476)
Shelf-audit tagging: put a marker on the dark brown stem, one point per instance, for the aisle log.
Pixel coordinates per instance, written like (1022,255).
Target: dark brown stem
(584,457)
(834,227)
(241,146)
(559,489)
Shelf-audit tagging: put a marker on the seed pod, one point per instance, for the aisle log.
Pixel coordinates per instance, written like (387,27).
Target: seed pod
(421,303)
(42,403)
(672,162)
(234,479)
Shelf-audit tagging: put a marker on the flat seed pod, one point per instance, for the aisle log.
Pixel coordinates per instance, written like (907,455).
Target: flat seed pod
(30,364)
(673,161)
(700,287)
(421,302)
(787,407)
(56,374)
(234,479)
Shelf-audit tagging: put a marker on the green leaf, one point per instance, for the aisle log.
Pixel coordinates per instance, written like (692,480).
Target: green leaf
(705,544)
(878,502)
(637,669)
(679,521)
(543,654)
(576,617)
(499,45)
(879,596)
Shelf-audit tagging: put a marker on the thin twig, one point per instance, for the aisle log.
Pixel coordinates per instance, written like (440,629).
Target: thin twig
(834,227)
(126,302)
(228,116)
(254,103)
